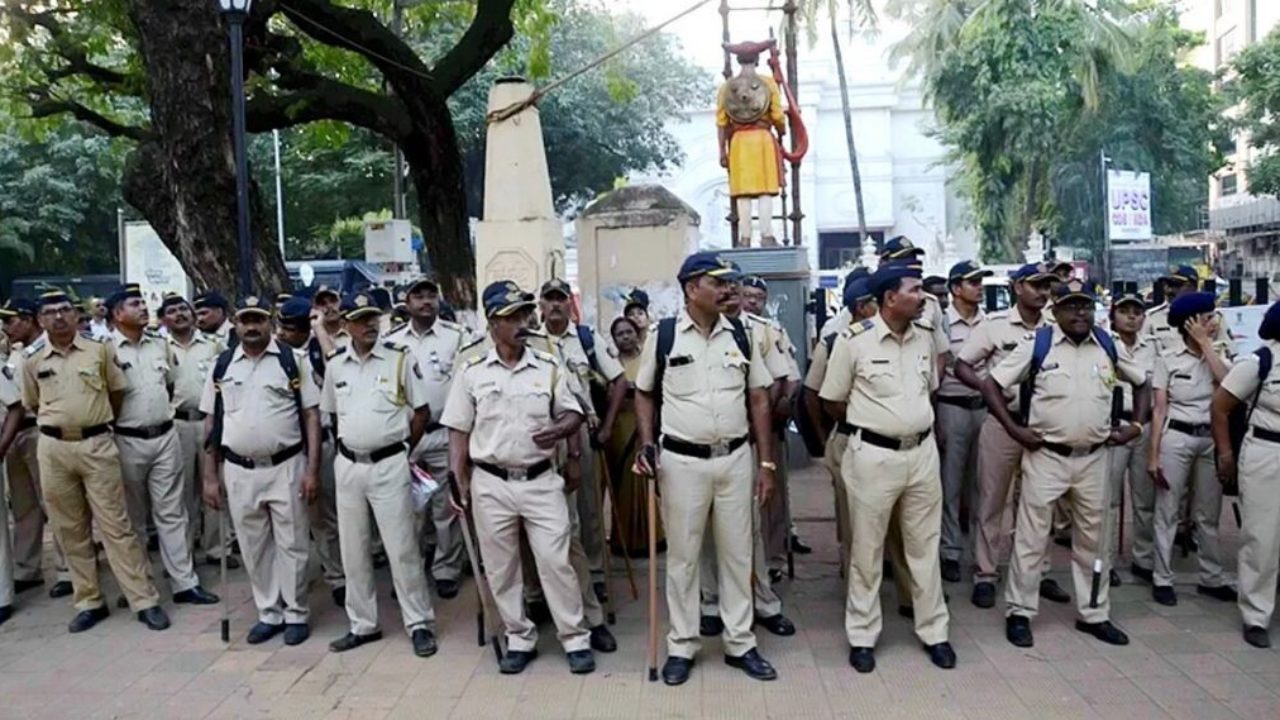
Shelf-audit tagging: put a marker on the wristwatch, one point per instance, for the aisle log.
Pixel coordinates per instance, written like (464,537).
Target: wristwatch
(770,466)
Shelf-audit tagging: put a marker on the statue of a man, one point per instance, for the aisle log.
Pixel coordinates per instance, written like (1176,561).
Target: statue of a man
(748,113)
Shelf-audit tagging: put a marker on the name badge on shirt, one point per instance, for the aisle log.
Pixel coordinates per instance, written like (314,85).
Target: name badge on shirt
(679,360)
(43,374)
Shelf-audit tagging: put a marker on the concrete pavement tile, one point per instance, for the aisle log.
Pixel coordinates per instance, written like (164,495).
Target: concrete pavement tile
(1203,710)
(1144,624)
(162,682)
(344,713)
(193,662)
(1144,710)
(659,701)
(269,683)
(551,696)
(1209,663)
(487,697)
(1085,669)
(374,691)
(1174,642)
(1256,708)
(1270,681)
(416,708)
(1236,686)
(1254,660)
(1167,691)
(1222,641)
(1047,691)
(610,697)
(1144,665)
(1111,691)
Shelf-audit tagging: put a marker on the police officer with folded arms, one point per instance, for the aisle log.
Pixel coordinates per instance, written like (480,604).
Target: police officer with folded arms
(377,393)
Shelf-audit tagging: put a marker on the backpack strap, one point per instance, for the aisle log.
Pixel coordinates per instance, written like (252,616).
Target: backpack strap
(740,336)
(289,364)
(1043,342)
(214,441)
(1264,369)
(316,355)
(666,341)
(588,341)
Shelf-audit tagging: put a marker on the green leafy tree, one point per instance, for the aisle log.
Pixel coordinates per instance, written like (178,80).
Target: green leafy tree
(1256,85)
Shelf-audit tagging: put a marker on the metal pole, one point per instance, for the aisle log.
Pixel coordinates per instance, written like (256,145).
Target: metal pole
(1106,220)
(242,163)
(275,137)
(793,79)
(399,208)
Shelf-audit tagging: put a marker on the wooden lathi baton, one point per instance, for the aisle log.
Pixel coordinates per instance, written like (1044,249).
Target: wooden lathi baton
(488,623)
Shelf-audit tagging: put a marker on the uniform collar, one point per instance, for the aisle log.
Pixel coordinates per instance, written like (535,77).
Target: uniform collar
(686,323)
(379,351)
(409,329)
(273,348)
(882,329)
(79,342)
(1060,337)
(954,315)
(1015,317)
(526,360)
(119,339)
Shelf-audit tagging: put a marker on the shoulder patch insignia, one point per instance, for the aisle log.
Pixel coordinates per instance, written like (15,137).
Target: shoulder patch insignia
(544,356)
(473,361)
(36,347)
(861,327)
(335,353)
(1029,336)
(394,346)
(8,371)
(472,344)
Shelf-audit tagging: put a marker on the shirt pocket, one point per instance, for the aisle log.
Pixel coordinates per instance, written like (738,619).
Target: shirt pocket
(489,404)
(160,369)
(92,378)
(730,374)
(1055,382)
(681,380)
(880,378)
(534,405)
(1183,388)
(386,396)
(233,394)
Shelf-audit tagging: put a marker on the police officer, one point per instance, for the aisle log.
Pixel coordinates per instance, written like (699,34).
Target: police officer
(262,422)
(328,331)
(27,499)
(1182,280)
(150,454)
(1130,459)
(11,404)
(705,467)
(1182,450)
(435,344)
(999,454)
(212,311)
(294,324)
(961,412)
(880,376)
(75,386)
(1065,434)
(378,395)
(1257,385)
(507,411)
(901,249)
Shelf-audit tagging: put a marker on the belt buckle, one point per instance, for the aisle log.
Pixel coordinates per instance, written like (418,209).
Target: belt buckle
(361,457)
(1079,452)
(72,434)
(909,443)
(719,449)
(521,475)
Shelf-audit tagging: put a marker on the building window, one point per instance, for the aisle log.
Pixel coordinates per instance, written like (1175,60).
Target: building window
(1227,185)
(1228,45)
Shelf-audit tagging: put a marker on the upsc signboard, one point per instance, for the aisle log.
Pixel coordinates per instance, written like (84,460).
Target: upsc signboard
(1128,205)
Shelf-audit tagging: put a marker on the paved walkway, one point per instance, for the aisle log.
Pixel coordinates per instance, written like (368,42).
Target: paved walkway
(1184,662)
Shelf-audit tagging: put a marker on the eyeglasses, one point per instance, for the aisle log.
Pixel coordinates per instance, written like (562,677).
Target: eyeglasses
(58,310)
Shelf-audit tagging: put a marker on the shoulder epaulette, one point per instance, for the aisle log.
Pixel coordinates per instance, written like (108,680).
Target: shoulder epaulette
(398,347)
(752,317)
(152,332)
(1158,308)
(923,324)
(472,344)
(859,328)
(335,353)
(36,347)
(544,356)
(396,329)
(473,361)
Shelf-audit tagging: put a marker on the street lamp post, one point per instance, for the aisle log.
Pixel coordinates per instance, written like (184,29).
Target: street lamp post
(236,11)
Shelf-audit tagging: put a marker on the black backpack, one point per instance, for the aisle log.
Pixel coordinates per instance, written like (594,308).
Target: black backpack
(599,393)
(1239,418)
(288,364)
(667,340)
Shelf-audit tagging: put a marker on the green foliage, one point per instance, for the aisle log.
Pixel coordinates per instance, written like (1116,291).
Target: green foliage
(1256,84)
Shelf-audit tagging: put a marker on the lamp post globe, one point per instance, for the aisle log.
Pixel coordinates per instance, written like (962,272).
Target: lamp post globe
(237,7)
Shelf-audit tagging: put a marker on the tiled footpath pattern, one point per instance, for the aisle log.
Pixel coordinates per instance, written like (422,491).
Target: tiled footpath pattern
(1184,662)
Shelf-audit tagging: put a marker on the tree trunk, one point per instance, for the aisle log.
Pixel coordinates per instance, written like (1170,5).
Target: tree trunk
(1030,203)
(848,131)
(183,178)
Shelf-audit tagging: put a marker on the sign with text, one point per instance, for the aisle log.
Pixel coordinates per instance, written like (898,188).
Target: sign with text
(148,262)
(1128,205)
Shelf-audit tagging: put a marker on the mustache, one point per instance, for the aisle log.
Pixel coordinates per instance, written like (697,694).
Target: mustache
(523,333)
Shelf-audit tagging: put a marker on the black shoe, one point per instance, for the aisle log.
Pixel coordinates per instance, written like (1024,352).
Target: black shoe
(424,643)
(601,590)
(6,612)
(1017,630)
(153,544)
(942,655)
(1254,635)
(675,671)
(1104,631)
(86,619)
(351,641)
(1225,593)
(122,603)
(232,562)
(863,659)
(21,586)
(777,624)
(710,626)
(539,612)
(1063,541)
(61,589)
(951,570)
(602,640)
(798,547)
(750,662)
(1050,590)
(262,632)
(195,596)
(1114,578)
(775,576)
(907,611)
(339,595)
(1144,574)
(1164,595)
(984,595)
(296,633)
(380,560)
(515,661)
(154,618)
(581,662)
(447,589)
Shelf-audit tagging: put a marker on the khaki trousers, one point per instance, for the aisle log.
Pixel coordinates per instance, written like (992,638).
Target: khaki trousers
(204,528)
(766,602)
(1131,461)
(694,492)
(878,481)
(500,508)
(29,513)
(998,458)
(1048,477)
(440,526)
(774,524)
(959,449)
(271,522)
(82,488)
(6,551)
(836,445)
(152,472)
(1260,534)
(323,518)
(384,488)
(592,608)
(588,500)
(1187,463)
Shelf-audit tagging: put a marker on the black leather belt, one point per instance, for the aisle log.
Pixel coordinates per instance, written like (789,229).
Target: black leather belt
(884,441)
(1068,451)
(704,452)
(968,402)
(1268,435)
(326,434)
(432,427)
(375,456)
(515,474)
(1192,429)
(145,433)
(72,434)
(188,415)
(258,463)
(26,424)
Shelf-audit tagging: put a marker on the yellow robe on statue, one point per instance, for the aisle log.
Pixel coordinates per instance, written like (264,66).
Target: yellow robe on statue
(753,152)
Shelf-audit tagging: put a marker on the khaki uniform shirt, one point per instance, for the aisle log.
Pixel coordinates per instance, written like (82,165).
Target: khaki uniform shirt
(149,368)
(259,414)
(1242,382)
(540,341)
(436,351)
(994,339)
(1071,403)
(374,397)
(934,321)
(10,393)
(1144,356)
(12,368)
(503,407)
(772,345)
(837,324)
(818,364)
(705,384)
(958,331)
(1187,380)
(191,365)
(886,380)
(70,388)
(1167,337)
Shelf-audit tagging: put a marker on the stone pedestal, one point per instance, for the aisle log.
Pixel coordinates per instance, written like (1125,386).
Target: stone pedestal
(520,237)
(633,237)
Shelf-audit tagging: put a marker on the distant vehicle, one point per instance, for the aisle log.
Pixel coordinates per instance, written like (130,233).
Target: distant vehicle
(345,275)
(79,286)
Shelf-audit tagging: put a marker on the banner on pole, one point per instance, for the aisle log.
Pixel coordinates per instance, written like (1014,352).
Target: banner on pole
(1128,205)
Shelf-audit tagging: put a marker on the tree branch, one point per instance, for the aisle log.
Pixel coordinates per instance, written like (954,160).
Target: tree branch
(316,97)
(490,30)
(76,59)
(361,32)
(48,106)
